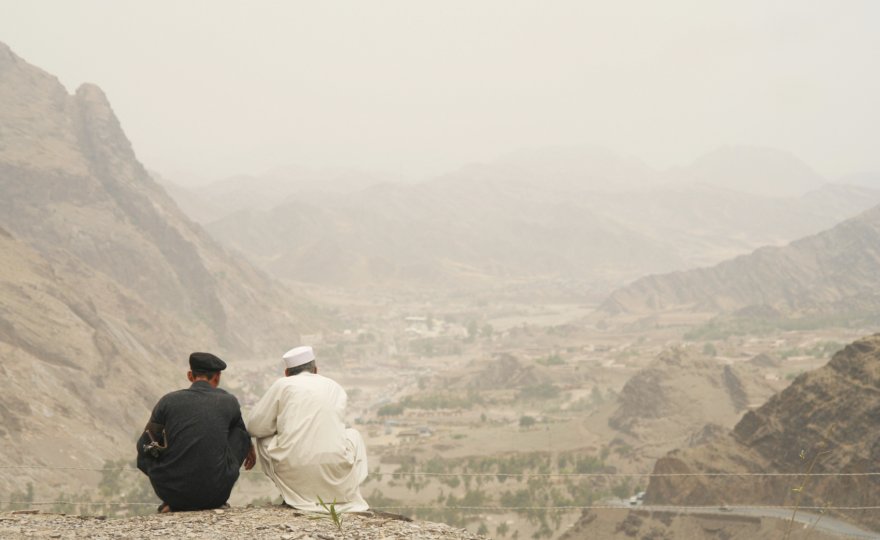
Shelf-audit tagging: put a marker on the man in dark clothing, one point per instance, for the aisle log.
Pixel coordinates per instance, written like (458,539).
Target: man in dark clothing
(196,441)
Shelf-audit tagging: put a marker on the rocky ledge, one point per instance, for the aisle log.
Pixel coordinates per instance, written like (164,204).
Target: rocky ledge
(270,522)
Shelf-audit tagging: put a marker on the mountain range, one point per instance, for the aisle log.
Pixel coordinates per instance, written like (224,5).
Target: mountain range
(833,273)
(582,215)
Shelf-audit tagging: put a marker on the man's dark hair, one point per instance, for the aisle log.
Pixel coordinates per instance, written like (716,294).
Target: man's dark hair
(198,374)
(299,369)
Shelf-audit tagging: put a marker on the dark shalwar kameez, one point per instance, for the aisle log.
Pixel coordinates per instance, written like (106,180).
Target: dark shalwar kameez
(207,443)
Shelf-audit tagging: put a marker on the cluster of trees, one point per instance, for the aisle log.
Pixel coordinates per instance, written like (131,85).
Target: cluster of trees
(552,360)
(541,391)
(722,327)
(20,500)
(121,492)
(513,483)
(435,401)
(121,484)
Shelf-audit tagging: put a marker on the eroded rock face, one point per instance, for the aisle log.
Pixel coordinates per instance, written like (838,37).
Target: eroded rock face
(72,186)
(827,420)
(659,402)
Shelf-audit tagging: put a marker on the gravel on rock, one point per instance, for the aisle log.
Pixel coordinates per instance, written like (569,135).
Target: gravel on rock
(268,522)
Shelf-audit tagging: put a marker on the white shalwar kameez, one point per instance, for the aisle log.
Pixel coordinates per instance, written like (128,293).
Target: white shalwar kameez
(304,446)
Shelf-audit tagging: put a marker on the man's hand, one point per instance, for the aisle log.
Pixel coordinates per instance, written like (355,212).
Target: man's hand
(250,459)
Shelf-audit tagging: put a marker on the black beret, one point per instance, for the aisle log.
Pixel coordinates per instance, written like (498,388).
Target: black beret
(203,361)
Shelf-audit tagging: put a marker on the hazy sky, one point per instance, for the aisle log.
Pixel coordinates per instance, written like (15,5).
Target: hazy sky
(215,87)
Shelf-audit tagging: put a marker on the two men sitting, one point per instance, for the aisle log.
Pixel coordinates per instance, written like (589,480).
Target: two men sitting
(196,441)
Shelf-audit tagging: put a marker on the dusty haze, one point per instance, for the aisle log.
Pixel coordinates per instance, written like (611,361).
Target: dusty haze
(550,250)
(207,89)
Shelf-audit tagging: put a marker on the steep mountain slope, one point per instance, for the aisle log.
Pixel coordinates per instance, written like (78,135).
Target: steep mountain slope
(105,286)
(827,421)
(707,224)
(82,360)
(71,184)
(833,272)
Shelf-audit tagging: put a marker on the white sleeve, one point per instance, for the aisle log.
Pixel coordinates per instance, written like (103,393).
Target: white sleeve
(263,418)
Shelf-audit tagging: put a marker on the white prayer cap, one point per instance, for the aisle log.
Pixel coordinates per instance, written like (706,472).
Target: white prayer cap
(298,356)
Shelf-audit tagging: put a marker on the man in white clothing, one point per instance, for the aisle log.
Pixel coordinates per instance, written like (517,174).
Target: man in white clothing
(302,442)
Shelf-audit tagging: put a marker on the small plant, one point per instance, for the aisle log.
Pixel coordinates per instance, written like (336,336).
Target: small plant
(332,514)
(799,490)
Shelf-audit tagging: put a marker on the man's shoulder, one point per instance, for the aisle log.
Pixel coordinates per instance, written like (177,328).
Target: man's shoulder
(186,394)
(310,379)
(223,395)
(173,396)
(322,384)
(327,380)
(303,382)
(219,391)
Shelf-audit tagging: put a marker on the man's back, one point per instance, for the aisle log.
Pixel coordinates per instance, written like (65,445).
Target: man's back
(304,446)
(309,424)
(206,439)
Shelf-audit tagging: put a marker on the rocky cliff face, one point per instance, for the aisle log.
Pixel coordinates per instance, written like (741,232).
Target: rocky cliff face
(657,404)
(72,185)
(79,376)
(828,419)
(831,273)
(105,286)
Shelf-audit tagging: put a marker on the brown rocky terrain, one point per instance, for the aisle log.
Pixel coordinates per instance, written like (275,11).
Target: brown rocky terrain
(830,273)
(78,378)
(105,286)
(657,404)
(235,523)
(73,187)
(826,422)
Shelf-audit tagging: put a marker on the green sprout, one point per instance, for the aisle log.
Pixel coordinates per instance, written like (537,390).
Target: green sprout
(333,514)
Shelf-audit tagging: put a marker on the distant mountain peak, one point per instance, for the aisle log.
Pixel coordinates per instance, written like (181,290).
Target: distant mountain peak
(92,93)
(753,169)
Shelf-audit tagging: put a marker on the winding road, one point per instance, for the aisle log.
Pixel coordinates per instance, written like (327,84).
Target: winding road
(822,523)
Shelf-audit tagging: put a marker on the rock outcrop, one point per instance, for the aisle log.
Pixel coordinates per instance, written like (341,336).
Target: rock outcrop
(833,273)
(657,403)
(827,421)
(73,189)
